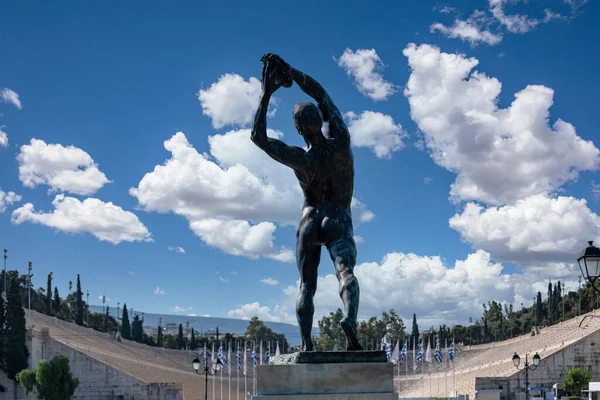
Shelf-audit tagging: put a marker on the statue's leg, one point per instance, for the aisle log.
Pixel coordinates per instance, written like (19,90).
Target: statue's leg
(307,258)
(343,255)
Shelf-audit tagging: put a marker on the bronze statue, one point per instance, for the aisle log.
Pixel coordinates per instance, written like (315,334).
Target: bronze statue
(325,171)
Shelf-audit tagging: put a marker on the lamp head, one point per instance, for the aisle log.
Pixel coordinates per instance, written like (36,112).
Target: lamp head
(196,364)
(516,360)
(536,359)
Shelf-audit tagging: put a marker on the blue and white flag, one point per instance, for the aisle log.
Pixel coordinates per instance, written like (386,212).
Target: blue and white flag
(238,356)
(388,350)
(221,355)
(437,354)
(268,355)
(404,352)
(396,353)
(204,355)
(420,351)
(451,352)
(253,357)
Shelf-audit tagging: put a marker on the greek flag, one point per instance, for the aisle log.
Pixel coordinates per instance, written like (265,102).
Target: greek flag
(396,353)
(204,355)
(253,357)
(420,352)
(388,350)
(437,354)
(221,356)
(238,357)
(451,351)
(268,355)
(404,352)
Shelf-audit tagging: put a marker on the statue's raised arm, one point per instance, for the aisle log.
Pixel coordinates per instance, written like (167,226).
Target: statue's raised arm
(331,115)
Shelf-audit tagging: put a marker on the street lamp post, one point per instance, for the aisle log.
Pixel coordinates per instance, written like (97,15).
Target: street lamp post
(527,366)
(589,264)
(212,370)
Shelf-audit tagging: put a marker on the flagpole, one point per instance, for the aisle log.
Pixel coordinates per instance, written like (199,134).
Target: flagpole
(245,373)
(447,364)
(221,348)
(212,359)
(229,367)
(238,358)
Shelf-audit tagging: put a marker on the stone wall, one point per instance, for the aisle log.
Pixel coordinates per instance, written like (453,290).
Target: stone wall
(584,353)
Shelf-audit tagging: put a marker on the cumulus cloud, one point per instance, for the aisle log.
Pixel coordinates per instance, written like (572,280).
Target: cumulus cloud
(363,66)
(180,309)
(232,101)
(66,169)
(176,249)
(472,30)
(159,291)
(3,138)
(224,280)
(231,198)
(360,211)
(536,229)
(376,131)
(500,155)
(8,198)
(358,239)
(10,96)
(516,23)
(270,281)
(456,290)
(105,221)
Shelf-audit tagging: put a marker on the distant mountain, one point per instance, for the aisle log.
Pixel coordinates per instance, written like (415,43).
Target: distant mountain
(202,324)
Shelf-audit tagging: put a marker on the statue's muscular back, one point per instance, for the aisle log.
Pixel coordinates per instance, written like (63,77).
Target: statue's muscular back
(328,185)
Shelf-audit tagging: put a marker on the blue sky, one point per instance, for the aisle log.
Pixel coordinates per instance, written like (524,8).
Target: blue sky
(464,195)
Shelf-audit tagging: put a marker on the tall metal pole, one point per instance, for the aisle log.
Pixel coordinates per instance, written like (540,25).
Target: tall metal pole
(87,302)
(526,378)
(579,293)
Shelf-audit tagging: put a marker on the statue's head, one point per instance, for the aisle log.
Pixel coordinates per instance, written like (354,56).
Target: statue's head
(308,119)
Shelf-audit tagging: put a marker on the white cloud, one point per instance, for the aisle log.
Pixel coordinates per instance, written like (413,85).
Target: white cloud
(516,23)
(67,169)
(264,313)
(106,221)
(239,238)
(159,291)
(470,30)
(106,299)
(500,155)
(224,280)
(358,239)
(230,196)
(427,180)
(206,315)
(10,96)
(3,138)
(457,290)
(192,315)
(270,281)
(130,273)
(8,198)
(363,66)
(232,101)
(176,249)
(595,187)
(376,131)
(445,9)
(360,211)
(180,309)
(536,229)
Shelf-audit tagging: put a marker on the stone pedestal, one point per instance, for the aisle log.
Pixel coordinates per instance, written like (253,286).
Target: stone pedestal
(335,381)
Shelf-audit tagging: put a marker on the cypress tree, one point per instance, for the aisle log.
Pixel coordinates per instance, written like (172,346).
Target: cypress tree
(16,353)
(2,328)
(159,337)
(79,297)
(415,329)
(125,324)
(558,300)
(180,338)
(49,295)
(56,301)
(137,331)
(539,310)
(550,304)
(193,343)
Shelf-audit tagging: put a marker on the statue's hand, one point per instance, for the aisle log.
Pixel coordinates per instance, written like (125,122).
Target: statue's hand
(269,84)
(276,60)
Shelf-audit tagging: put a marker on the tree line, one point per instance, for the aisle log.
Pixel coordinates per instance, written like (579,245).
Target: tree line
(497,322)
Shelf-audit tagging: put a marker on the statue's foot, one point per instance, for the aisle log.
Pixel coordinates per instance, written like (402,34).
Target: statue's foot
(350,331)
(307,347)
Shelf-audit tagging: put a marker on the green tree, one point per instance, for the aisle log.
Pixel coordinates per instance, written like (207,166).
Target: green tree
(52,380)
(394,326)
(16,354)
(550,304)
(415,329)
(125,325)
(539,309)
(180,338)
(101,323)
(137,330)
(331,335)
(49,295)
(79,303)
(56,302)
(193,343)
(2,326)
(575,380)
(159,337)
(258,331)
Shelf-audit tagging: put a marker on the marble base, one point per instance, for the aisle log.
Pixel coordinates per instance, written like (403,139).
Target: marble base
(352,381)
